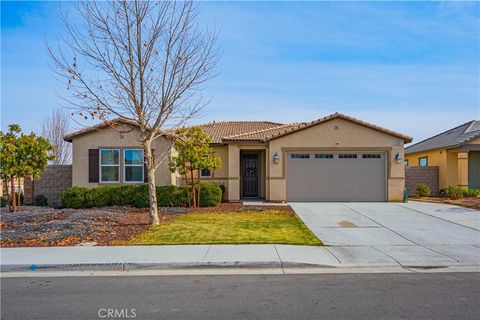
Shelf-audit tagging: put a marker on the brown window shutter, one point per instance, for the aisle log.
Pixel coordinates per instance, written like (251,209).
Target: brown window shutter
(93,165)
(145,171)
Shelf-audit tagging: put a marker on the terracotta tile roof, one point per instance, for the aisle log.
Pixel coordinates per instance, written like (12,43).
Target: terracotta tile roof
(262,134)
(261,131)
(220,130)
(278,131)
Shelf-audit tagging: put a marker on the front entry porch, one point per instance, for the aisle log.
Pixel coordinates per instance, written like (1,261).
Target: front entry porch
(252,174)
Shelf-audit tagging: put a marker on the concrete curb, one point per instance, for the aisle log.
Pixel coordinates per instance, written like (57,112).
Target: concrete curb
(158,266)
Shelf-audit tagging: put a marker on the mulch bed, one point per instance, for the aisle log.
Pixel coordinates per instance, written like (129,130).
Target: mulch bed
(469,202)
(44,227)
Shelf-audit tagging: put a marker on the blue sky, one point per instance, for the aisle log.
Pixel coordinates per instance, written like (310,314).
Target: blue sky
(413,67)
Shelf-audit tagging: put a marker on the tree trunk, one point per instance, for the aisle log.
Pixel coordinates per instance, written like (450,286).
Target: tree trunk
(186,185)
(193,188)
(13,201)
(155,219)
(199,187)
(33,189)
(19,194)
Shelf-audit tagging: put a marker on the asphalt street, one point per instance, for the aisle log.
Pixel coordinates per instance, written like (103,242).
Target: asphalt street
(315,296)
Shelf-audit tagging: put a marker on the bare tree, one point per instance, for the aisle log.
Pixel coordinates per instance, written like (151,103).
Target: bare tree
(54,128)
(142,61)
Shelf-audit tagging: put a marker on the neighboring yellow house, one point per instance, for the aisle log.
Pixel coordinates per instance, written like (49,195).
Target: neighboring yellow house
(335,158)
(456,152)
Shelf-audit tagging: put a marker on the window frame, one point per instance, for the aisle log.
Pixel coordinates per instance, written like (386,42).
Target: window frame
(426,161)
(405,163)
(347,156)
(323,156)
(133,165)
(371,156)
(205,176)
(100,165)
(300,156)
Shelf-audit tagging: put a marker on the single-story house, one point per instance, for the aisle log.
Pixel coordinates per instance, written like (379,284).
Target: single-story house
(456,152)
(335,158)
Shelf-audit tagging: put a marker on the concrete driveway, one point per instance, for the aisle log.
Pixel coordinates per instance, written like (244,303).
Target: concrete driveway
(411,234)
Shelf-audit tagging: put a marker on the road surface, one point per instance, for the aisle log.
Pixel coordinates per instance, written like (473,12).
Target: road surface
(326,296)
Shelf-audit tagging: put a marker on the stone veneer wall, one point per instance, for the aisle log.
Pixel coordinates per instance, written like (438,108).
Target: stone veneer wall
(416,175)
(54,180)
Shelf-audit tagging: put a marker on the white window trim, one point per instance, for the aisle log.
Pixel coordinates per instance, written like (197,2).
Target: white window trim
(100,165)
(209,176)
(133,165)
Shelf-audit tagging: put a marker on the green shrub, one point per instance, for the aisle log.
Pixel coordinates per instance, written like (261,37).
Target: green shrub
(210,195)
(454,192)
(74,197)
(422,190)
(40,201)
(4,201)
(137,196)
(171,196)
(222,186)
(471,192)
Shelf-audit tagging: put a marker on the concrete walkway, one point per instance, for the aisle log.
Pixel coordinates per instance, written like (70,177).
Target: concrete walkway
(412,234)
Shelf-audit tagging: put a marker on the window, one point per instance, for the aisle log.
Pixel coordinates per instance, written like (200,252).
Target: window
(133,165)
(405,163)
(372,156)
(347,156)
(110,165)
(423,162)
(205,173)
(300,156)
(323,156)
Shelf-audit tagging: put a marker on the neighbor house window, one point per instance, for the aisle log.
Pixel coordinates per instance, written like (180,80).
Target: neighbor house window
(133,165)
(423,162)
(205,173)
(110,165)
(405,163)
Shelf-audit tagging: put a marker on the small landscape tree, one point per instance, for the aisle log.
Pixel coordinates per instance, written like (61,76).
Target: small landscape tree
(193,153)
(22,154)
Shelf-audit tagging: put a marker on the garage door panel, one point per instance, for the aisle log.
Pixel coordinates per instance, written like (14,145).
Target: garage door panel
(347,176)
(323,171)
(302,179)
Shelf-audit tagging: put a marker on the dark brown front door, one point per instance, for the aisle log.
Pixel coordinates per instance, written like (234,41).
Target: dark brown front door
(250,175)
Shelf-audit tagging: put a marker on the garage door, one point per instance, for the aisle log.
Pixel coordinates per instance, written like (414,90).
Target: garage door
(346,176)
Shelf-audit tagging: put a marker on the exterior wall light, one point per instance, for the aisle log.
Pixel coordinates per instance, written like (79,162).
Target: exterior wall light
(276,158)
(398,158)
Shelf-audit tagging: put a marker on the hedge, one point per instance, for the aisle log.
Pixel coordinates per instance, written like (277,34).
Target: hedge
(137,196)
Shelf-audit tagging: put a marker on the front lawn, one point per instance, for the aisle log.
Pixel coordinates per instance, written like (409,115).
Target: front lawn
(245,226)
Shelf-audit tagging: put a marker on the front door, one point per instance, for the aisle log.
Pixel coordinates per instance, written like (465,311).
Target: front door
(250,175)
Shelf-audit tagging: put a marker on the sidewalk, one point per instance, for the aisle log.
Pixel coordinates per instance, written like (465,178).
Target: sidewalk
(201,256)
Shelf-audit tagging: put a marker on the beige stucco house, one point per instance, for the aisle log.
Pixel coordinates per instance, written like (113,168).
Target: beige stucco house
(335,158)
(456,153)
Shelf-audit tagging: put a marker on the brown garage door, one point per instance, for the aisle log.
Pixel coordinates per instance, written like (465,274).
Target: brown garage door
(328,176)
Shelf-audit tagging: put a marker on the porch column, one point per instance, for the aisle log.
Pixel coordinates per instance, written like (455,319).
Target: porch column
(233,173)
(462,169)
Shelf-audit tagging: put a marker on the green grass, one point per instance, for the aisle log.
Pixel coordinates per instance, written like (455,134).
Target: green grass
(245,227)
